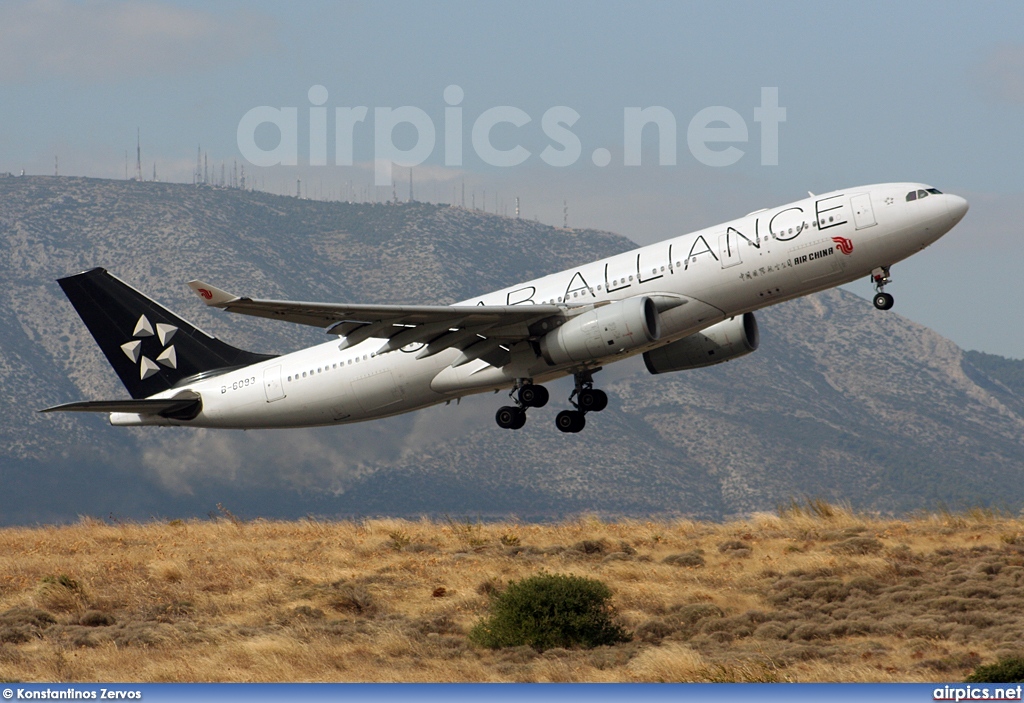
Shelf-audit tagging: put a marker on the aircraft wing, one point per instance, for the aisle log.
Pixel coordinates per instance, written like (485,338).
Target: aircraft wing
(480,331)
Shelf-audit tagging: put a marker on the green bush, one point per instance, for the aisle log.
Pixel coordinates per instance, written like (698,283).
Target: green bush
(548,611)
(1008,670)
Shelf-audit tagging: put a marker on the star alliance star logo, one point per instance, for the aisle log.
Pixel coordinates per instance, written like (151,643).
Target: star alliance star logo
(133,349)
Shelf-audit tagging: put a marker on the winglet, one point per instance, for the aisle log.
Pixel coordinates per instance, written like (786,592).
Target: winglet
(212,295)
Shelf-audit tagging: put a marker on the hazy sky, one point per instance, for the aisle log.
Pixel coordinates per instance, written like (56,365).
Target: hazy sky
(879,91)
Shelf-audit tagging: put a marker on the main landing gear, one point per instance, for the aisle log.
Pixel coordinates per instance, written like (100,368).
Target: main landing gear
(880,277)
(585,398)
(524,395)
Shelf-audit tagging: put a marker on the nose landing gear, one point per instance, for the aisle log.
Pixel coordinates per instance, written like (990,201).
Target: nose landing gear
(880,277)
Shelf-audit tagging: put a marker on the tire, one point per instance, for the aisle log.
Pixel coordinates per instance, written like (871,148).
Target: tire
(592,400)
(533,396)
(586,400)
(520,420)
(883,301)
(570,421)
(508,416)
(579,421)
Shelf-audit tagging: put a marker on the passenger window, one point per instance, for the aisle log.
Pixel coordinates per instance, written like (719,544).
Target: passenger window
(912,195)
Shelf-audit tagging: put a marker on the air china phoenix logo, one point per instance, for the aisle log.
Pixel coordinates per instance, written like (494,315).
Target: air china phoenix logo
(844,245)
(205,293)
(133,349)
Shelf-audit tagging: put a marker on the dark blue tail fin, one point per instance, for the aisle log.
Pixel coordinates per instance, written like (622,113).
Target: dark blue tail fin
(150,348)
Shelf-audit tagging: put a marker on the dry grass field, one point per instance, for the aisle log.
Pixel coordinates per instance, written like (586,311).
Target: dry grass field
(816,593)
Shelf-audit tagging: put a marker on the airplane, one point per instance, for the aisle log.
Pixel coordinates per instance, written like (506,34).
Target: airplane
(684,303)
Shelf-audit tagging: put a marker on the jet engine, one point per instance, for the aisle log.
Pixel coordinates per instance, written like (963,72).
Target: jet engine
(604,331)
(729,339)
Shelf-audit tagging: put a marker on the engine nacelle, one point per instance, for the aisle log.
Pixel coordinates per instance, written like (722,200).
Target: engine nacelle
(603,331)
(729,339)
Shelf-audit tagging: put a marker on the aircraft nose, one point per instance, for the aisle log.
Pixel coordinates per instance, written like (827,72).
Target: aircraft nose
(957,207)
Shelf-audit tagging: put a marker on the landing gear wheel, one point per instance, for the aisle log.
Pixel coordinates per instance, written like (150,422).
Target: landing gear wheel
(533,396)
(881,278)
(510,417)
(570,421)
(883,301)
(592,400)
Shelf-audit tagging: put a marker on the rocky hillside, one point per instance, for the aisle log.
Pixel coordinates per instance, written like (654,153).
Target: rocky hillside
(841,402)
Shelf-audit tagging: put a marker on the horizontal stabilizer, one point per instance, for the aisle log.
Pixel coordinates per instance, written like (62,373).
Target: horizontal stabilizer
(183,407)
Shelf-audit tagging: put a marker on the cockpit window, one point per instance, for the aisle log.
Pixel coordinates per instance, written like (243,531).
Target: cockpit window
(918,194)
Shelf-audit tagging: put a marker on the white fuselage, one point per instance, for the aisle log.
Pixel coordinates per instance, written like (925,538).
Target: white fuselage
(764,258)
